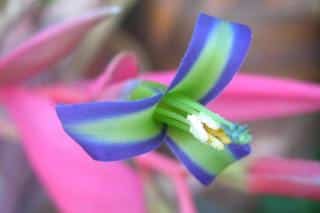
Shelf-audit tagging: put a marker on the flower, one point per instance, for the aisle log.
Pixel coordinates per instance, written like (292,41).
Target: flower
(110,131)
(284,98)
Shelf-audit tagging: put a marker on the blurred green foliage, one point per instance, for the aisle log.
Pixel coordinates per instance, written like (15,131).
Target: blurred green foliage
(272,204)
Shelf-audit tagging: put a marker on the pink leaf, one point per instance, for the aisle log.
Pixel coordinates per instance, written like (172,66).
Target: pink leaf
(175,172)
(294,178)
(63,93)
(184,195)
(161,163)
(49,46)
(74,181)
(122,67)
(253,97)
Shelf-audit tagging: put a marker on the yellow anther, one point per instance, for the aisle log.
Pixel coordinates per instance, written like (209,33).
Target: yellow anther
(207,131)
(218,133)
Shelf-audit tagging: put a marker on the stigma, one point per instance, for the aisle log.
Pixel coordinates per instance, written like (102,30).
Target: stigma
(208,131)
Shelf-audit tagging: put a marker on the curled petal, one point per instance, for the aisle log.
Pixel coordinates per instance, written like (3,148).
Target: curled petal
(214,55)
(49,46)
(113,130)
(201,160)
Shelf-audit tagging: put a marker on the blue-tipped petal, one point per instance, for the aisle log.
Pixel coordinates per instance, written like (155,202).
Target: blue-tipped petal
(201,174)
(241,42)
(239,150)
(113,150)
(214,55)
(203,161)
(113,130)
(201,33)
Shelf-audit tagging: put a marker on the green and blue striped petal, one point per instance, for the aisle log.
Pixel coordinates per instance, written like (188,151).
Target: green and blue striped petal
(214,55)
(110,131)
(140,89)
(200,159)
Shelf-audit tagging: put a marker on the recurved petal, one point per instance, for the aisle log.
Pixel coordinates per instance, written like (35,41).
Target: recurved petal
(113,130)
(214,55)
(204,162)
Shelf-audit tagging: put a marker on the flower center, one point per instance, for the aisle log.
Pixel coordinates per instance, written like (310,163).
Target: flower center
(207,131)
(207,127)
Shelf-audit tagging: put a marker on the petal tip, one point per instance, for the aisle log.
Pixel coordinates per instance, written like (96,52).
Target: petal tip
(240,150)
(60,111)
(197,171)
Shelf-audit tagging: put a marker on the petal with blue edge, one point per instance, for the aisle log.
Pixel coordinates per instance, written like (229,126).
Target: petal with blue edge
(214,55)
(113,130)
(200,159)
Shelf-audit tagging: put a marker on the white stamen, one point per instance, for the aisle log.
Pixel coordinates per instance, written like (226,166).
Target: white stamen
(217,144)
(209,122)
(198,131)
(196,128)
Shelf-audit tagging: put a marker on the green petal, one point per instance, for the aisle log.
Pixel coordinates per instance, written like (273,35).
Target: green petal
(214,55)
(113,130)
(203,161)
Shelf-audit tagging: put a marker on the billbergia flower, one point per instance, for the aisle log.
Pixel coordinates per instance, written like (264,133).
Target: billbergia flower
(152,114)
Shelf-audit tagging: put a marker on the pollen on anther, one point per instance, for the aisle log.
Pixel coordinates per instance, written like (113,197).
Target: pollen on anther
(207,131)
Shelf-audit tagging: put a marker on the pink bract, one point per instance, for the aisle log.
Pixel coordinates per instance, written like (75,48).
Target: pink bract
(75,181)
(284,97)
(293,178)
(48,47)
